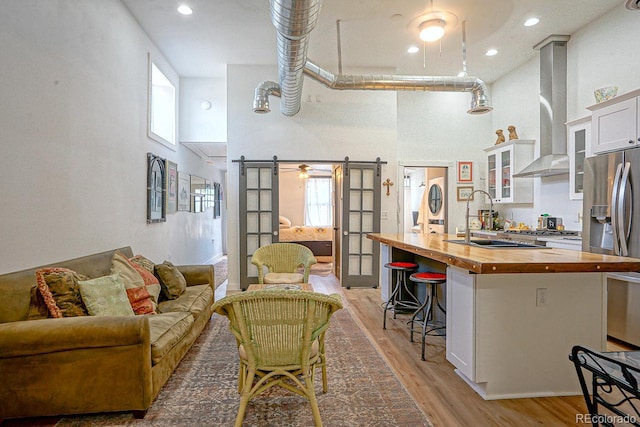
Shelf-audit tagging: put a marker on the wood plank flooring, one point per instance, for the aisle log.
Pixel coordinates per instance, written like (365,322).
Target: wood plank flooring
(441,394)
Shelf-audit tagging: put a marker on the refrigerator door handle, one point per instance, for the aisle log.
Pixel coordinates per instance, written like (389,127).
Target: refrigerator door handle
(615,196)
(623,235)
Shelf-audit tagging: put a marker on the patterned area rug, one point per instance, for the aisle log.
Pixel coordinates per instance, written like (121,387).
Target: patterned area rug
(203,390)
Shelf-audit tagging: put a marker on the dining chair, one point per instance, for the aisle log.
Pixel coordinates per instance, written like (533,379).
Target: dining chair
(280,339)
(282,261)
(611,391)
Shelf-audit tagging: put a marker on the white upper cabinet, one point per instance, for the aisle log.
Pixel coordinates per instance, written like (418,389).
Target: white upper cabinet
(578,149)
(615,124)
(503,161)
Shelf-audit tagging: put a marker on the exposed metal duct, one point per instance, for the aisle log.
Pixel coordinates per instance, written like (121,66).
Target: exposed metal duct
(553,158)
(294,20)
(261,97)
(479,99)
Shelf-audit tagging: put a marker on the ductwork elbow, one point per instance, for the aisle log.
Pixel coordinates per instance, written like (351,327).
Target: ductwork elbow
(261,96)
(479,99)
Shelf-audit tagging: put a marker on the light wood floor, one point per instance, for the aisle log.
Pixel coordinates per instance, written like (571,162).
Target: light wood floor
(441,394)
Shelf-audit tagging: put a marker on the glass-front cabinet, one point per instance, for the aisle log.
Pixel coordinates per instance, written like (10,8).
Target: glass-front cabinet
(503,161)
(579,148)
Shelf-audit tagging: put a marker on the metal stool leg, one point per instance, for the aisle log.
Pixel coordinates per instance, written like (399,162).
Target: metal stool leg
(391,301)
(423,309)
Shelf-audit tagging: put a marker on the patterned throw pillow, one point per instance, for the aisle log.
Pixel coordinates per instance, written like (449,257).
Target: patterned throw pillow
(140,300)
(129,275)
(172,281)
(105,296)
(143,262)
(60,291)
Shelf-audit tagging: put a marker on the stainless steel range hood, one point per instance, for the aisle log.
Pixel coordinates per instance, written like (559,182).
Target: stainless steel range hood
(553,158)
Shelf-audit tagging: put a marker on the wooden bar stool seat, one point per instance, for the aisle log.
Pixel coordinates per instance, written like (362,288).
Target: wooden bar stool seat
(431,280)
(401,298)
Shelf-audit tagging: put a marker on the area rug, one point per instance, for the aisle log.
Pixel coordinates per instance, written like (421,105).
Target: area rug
(363,391)
(220,271)
(322,269)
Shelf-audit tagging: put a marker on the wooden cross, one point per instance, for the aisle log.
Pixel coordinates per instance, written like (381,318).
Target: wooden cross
(388,184)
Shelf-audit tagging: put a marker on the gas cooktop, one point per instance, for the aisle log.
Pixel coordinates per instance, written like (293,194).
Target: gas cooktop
(542,232)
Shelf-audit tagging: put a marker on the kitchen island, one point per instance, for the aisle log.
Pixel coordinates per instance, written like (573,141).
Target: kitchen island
(513,315)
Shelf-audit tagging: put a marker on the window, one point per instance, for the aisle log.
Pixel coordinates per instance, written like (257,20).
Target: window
(318,211)
(162,107)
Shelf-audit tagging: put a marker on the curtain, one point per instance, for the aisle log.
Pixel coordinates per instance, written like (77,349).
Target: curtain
(317,207)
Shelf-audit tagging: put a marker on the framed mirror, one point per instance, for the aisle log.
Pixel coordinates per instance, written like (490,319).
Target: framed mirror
(156,189)
(198,190)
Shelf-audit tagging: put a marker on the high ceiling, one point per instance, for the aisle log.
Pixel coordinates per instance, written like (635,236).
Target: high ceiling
(373,33)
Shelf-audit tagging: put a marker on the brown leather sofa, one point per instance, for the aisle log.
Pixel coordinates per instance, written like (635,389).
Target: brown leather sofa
(86,364)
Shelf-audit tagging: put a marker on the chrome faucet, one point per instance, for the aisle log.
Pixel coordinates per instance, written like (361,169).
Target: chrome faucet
(467,233)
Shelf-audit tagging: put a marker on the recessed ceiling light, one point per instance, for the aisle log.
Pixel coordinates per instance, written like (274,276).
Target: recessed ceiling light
(413,49)
(531,22)
(491,52)
(184,9)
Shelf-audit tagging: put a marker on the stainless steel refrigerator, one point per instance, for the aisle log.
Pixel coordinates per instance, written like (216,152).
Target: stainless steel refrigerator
(611,225)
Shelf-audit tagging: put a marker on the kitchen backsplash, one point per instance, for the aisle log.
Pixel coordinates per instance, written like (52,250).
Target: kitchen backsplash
(551,196)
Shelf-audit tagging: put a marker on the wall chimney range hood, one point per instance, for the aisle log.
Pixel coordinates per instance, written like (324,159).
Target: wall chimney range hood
(553,158)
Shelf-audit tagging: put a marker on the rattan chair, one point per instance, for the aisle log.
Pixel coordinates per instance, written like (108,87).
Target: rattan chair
(282,261)
(280,337)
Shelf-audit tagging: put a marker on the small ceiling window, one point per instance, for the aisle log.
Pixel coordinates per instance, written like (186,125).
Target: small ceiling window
(162,107)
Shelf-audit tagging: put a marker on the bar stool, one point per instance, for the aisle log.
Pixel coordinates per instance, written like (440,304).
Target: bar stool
(396,301)
(431,280)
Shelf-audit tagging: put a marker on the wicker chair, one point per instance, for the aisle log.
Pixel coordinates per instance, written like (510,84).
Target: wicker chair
(282,261)
(280,337)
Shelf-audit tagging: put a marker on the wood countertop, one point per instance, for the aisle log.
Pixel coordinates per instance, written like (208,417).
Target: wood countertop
(495,261)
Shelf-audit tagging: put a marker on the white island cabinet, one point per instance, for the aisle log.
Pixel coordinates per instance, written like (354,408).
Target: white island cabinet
(509,335)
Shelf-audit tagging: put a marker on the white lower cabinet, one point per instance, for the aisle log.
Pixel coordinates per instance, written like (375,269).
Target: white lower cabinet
(509,335)
(460,300)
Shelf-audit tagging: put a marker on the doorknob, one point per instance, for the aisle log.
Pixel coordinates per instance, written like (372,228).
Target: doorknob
(346,233)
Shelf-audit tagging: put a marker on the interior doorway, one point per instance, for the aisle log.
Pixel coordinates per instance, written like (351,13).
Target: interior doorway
(425,207)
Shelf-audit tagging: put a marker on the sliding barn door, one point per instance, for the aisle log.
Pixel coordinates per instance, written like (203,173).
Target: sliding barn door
(360,216)
(258,214)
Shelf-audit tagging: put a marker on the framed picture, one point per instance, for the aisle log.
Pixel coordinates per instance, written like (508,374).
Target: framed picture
(172,187)
(218,199)
(465,172)
(184,191)
(156,189)
(464,193)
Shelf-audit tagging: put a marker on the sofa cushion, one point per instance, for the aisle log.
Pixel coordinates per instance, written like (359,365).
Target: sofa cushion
(194,300)
(172,281)
(105,296)
(167,330)
(140,300)
(60,291)
(143,262)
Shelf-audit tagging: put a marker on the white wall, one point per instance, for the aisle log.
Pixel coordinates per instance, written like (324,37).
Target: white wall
(434,129)
(73,78)
(196,123)
(603,53)
(292,190)
(357,124)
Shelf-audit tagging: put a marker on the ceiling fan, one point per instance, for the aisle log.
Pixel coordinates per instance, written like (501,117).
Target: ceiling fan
(304,171)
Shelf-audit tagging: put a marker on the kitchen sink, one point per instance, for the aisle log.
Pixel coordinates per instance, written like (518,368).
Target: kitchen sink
(494,244)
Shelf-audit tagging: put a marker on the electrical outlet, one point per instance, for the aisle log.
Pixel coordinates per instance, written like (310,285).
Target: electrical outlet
(384,215)
(542,298)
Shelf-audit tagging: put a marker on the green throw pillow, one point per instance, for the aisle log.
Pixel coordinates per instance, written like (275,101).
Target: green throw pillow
(172,281)
(105,296)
